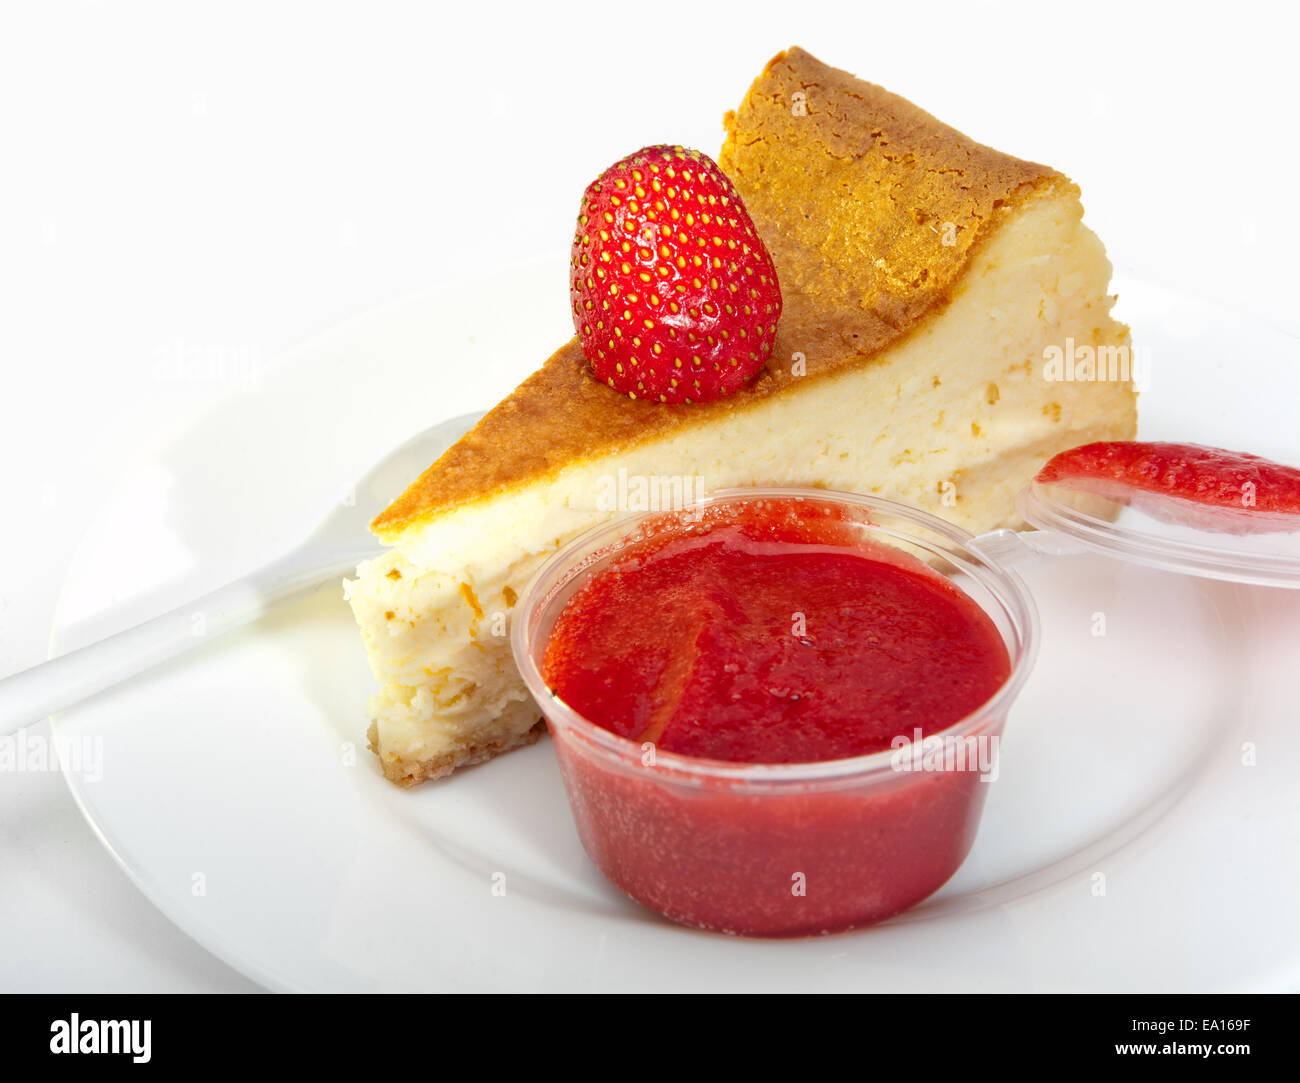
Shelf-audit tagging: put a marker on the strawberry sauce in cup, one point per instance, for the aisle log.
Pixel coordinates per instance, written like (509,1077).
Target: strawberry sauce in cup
(776,713)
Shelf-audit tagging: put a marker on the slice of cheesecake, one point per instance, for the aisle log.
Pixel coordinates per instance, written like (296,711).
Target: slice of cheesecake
(927,279)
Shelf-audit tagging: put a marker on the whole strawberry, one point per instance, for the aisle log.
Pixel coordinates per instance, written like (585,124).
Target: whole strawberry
(675,298)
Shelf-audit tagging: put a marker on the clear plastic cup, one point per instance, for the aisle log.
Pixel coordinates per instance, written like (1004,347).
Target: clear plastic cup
(781,849)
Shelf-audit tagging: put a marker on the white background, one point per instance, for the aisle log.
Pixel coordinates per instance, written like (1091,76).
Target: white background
(186,191)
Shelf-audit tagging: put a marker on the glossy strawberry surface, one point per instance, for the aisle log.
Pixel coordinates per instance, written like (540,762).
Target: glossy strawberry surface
(674,295)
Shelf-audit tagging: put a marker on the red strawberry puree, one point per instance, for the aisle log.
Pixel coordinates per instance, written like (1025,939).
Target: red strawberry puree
(1209,488)
(771,634)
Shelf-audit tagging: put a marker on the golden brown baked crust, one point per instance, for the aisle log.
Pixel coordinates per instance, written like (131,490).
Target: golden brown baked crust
(871,209)
(868,204)
(408,772)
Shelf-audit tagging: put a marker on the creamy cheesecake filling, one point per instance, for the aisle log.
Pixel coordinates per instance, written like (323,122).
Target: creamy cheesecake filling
(956,418)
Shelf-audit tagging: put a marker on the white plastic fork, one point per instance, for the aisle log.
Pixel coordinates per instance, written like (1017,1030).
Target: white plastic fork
(336,546)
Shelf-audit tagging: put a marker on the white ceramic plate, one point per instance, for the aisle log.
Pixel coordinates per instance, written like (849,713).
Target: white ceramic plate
(1144,832)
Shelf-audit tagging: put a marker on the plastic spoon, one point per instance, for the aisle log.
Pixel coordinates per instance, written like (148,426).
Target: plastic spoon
(341,540)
